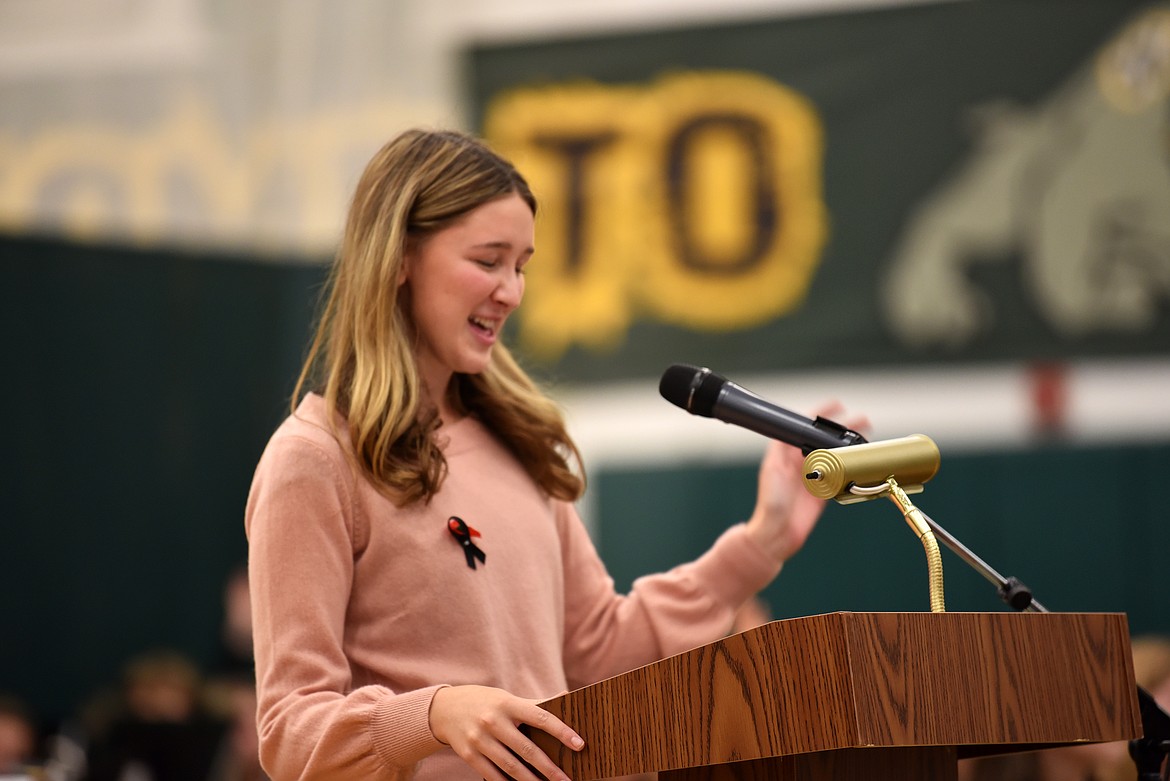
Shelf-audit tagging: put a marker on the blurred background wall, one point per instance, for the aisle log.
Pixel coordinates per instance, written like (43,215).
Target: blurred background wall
(953,216)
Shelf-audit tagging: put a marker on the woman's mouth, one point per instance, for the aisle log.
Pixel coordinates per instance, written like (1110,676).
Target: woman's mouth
(484,327)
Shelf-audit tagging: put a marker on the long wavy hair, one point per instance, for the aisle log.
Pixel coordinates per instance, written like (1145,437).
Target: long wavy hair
(362,356)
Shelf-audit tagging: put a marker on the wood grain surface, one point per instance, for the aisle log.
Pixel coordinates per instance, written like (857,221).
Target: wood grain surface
(857,681)
(937,763)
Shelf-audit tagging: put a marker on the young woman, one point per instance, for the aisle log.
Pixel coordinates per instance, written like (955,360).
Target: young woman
(420,579)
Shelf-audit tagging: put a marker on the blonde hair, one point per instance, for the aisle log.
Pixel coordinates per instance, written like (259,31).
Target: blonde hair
(362,357)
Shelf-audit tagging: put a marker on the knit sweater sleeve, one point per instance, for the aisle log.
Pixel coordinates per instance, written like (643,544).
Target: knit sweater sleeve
(313,722)
(607,633)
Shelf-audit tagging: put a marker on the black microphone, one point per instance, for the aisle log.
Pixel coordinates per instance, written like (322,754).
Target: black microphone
(702,392)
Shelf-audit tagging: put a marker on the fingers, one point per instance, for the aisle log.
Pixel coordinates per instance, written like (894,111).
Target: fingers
(498,758)
(481,724)
(523,753)
(497,761)
(517,758)
(546,722)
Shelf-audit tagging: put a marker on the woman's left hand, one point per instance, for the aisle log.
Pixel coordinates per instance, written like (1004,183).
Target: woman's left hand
(785,512)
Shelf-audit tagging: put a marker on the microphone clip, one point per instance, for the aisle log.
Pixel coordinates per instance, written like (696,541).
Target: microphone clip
(834,429)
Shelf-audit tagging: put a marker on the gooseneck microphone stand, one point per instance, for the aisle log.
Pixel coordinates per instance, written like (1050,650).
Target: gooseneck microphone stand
(1149,752)
(1011,590)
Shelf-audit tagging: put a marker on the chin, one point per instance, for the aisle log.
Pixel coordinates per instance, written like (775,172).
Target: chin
(477,365)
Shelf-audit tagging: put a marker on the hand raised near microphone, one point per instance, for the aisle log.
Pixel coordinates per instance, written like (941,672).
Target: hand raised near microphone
(785,512)
(481,724)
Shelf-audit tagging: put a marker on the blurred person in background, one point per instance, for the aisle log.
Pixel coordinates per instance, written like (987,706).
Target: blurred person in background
(231,687)
(18,736)
(232,699)
(235,650)
(420,578)
(157,729)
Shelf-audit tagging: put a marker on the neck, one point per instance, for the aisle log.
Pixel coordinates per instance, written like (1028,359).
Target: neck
(443,402)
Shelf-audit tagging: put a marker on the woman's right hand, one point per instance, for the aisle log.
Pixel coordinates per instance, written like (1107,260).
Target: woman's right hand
(481,725)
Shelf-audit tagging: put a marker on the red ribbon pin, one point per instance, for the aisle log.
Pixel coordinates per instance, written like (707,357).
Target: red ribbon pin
(463,534)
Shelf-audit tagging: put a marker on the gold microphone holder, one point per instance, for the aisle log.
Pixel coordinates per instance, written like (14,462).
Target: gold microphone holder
(857,473)
(917,521)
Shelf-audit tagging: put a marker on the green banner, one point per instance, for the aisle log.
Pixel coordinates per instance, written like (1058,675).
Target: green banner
(960,182)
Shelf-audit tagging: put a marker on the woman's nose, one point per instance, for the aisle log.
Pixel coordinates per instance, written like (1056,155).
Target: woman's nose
(510,289)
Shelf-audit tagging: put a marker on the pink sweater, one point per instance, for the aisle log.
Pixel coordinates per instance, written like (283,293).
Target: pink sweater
(362,609)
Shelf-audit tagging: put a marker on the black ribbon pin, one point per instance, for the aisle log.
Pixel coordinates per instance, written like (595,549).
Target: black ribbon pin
(463,534)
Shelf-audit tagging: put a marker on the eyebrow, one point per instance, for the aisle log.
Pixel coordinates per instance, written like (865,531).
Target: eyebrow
(500,245)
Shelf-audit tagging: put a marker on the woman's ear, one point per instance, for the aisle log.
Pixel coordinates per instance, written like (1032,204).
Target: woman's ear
(408,259)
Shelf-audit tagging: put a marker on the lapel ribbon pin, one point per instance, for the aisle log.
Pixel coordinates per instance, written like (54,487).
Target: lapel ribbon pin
(463,534)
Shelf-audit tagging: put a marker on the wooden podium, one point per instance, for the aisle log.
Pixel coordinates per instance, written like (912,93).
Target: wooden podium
(852,696)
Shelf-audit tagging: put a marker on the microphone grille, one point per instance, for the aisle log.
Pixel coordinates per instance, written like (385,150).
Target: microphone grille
(692,388)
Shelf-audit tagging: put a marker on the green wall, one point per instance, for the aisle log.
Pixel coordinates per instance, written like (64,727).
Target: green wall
(1086,528)
(140,389)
